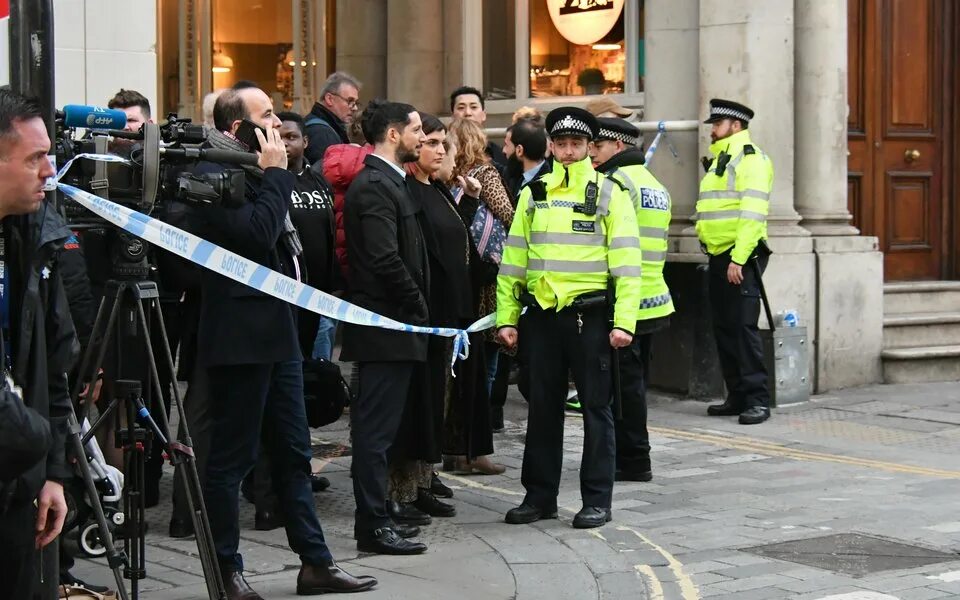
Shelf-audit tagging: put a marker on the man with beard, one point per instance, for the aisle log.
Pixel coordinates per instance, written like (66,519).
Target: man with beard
(389,276)
(732,226)
(525,146)
(247,344)
(616,153)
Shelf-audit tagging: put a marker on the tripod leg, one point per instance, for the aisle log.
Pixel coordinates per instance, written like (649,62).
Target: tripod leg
(115,559)
(182,455)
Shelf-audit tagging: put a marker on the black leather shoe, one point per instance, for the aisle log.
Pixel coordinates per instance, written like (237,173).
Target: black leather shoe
(267,520)
(180,528)
(314,579)
(318,483)
(438,488)
(404,531)
(727,409)
(386,541)
(754,415)
(429,504)
(237,587)
(631,475)
(527,513)
(592,516)
(407,514)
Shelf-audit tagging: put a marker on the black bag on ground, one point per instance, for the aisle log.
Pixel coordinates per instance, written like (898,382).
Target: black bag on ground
(325,392)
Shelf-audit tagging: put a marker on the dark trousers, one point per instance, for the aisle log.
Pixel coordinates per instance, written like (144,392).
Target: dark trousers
(375,418)
(248,400)
(501,383)
(633,441)
(735,310)
(557,346)
(199,419)
(25,572)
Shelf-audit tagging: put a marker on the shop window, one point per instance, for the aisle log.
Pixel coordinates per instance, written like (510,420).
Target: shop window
(561,48)
(499,49)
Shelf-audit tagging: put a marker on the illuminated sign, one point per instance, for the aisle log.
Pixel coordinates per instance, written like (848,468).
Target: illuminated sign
(584,22)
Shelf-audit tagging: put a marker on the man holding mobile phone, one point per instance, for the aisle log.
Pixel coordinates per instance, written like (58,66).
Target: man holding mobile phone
(247,343)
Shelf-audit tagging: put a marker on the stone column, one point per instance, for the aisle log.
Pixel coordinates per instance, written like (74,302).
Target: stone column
(415,57)
(821,114)
(747,55)
(671,41)
(362,44)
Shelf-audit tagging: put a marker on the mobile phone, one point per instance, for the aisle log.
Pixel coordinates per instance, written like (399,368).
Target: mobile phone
(247,135)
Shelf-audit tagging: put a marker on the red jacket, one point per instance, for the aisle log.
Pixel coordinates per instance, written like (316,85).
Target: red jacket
(341,164)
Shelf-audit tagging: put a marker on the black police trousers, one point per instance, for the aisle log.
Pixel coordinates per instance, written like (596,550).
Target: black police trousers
(557,344)
(633,441)
(735,310)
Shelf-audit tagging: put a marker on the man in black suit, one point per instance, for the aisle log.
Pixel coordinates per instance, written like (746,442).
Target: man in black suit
(388,275)
(247,342)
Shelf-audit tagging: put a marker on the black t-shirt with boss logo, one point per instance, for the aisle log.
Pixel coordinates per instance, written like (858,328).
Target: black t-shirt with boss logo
(311,210)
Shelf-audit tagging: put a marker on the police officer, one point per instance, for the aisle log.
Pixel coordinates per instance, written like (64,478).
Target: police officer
(616,153)
(732,226)
(575,234)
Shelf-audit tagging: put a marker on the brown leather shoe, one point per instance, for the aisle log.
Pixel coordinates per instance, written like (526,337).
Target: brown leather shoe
(237,587)
(485,466)
(317,579)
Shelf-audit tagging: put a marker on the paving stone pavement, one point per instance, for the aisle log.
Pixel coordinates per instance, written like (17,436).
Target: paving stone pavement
(880,461)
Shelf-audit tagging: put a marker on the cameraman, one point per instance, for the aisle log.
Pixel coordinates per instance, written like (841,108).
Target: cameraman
(247,341)
(39,347)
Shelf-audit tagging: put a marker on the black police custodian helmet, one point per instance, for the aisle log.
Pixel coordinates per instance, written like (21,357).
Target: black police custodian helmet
(617,129)
(569,120)
(728,109)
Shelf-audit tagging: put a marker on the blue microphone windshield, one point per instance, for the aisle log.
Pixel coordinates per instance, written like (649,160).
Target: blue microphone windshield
(93,117)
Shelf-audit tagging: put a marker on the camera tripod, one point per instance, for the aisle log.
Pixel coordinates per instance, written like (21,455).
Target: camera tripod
(127,323)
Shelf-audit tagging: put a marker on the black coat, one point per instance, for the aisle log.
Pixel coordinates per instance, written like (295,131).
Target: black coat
(43,343)
(389,273)
(322,135)
(238,324)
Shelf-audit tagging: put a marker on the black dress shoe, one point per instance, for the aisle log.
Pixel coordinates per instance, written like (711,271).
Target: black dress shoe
(237,587)
(527,513)
(404,531)
(318,483)
(727,409)
(267,520)
(315,579)
(429,504)
(180,528)
(386,541)
(631,475)
(407,514)
(437,487)
(592,516)
(68,579)
(754,415)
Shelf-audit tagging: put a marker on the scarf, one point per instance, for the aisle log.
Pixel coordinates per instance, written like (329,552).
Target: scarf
(223,141)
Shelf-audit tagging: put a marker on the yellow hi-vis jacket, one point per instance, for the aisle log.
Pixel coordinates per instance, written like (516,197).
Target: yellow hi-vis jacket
(558,254)
(735,198)
(652,203)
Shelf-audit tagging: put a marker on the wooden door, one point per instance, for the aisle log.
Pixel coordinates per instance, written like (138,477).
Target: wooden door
(900,78)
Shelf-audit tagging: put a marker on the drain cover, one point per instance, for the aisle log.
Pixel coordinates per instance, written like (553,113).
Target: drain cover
(330,450)
(852,554)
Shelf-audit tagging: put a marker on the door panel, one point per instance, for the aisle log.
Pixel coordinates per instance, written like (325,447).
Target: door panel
(898,79)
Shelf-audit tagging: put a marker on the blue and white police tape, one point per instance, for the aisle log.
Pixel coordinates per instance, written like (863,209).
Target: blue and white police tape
(248,272)
(661,132)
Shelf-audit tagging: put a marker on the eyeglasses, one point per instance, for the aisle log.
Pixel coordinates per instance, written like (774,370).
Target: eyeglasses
(352,103)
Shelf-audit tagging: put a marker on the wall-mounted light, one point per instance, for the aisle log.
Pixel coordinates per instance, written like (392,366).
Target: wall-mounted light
(221,62)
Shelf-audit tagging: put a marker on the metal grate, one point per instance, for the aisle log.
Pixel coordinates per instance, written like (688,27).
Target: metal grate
(853,554)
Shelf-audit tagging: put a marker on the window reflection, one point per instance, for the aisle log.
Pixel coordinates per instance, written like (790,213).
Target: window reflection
(499,49)
(561,68)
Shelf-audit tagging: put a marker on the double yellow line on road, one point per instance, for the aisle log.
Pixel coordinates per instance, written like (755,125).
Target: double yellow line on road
(774,449)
